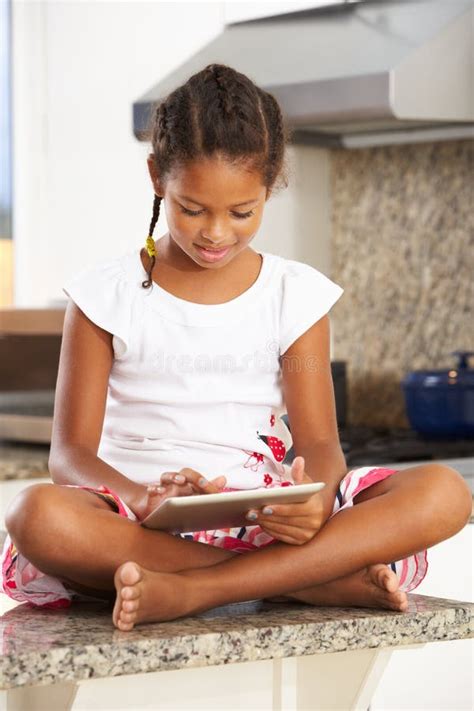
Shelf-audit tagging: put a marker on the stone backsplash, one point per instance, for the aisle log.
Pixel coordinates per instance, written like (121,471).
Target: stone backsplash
(403,250)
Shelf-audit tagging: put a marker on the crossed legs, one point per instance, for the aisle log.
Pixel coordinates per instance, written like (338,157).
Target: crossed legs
(171,577)
(343,564)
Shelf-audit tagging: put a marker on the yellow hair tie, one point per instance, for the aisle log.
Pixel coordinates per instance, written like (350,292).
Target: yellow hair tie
(150,246)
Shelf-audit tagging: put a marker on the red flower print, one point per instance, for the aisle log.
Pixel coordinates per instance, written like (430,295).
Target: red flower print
(267,479)
(272,420)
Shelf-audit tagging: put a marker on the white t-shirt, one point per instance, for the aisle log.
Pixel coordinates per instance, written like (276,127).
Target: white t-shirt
(199,385)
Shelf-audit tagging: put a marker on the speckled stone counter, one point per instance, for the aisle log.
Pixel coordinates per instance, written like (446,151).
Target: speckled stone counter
(23,461)
(50,646)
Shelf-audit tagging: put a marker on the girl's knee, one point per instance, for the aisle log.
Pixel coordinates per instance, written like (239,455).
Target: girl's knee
(43,508)
(455,487)
(28,507)
(448,495)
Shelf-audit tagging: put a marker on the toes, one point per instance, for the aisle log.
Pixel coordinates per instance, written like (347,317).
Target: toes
(130,593)
(116,613)
(130,605)
(402,600)
(129,573)
(384,577)
(397,601)
(124,626)
(127,617)
(124,620)
(398,606)
(387,582)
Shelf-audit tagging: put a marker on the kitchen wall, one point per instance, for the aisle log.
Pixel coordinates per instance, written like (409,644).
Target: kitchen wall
(402,248)
(81,186)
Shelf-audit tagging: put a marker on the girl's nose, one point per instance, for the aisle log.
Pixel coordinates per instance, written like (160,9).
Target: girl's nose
(213,242)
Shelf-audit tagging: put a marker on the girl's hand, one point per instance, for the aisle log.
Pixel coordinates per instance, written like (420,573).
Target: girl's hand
(294,523)
(186,482)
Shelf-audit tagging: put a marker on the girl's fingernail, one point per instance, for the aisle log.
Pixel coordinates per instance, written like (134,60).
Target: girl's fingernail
(155,489)
(202,482)
(180,478)
(251,516)
(267,511)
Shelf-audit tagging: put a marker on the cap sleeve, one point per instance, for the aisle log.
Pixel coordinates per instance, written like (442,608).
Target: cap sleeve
(102,292)
(307,295)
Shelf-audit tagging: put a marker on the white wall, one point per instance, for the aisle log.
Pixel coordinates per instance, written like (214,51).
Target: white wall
(81,187)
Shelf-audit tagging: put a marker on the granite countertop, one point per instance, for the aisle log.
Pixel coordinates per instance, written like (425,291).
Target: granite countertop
(77,643)
(23,461)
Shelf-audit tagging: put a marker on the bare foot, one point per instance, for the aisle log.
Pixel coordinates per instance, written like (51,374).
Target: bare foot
(375,586)
(146,596)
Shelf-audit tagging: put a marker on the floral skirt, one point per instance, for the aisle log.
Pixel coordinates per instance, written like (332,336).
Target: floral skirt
(23,582)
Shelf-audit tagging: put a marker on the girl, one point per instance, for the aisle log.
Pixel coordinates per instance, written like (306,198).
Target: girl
(176,366)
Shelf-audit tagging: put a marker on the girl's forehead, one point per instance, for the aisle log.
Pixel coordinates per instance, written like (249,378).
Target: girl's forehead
(211,167)
(219,178)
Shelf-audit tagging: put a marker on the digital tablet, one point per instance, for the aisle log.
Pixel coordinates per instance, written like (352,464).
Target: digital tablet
(185,514)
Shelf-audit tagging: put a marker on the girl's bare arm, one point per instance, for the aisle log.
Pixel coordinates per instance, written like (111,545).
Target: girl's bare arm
(81,392)
(309,397)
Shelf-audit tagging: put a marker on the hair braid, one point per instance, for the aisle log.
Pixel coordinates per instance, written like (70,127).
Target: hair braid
(156,213)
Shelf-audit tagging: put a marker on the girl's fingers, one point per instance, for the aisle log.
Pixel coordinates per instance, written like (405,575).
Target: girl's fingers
(200,483)
(305,508)
(219,481)
(170,490)
(192,482)
(284,536)
(291,533)
(282,528)
(297,522)
(284,539)
(155,489)
(180,490)
(172,478)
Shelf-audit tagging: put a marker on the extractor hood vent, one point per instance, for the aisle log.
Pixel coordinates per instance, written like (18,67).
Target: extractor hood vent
(355,74)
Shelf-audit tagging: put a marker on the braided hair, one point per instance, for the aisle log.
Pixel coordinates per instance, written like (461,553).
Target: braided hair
(218,112)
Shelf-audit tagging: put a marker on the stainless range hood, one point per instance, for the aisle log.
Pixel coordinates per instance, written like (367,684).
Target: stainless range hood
(357,73)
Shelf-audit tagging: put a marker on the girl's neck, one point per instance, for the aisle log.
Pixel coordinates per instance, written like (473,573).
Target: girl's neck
(175,272)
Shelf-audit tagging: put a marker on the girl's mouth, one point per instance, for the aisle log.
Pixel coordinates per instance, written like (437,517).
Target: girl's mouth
(212,255)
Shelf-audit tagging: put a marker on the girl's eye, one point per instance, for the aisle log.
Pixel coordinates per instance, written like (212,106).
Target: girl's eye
(239,215)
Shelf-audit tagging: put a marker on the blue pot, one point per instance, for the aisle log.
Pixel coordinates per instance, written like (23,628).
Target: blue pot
(440,403)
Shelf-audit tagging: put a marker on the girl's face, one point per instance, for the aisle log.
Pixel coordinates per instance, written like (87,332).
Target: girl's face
(211,204)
